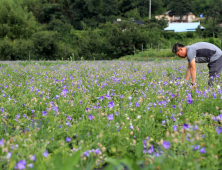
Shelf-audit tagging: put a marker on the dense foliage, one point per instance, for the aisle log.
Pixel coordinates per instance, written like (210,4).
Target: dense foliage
(83,114)
(60,29)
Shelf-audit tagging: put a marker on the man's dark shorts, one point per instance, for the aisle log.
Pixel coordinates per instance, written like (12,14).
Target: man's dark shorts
(215,68)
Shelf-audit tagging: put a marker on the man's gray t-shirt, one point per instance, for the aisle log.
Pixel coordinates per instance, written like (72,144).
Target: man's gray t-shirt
(203,52)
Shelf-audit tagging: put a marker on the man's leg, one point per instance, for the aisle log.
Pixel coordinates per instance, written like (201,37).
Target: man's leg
(214,70)
(212,77)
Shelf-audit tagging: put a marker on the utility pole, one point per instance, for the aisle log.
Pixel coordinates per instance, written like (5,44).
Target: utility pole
(150,11)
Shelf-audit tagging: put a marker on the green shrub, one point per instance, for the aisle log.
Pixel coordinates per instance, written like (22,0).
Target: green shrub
(47,46)
(18,49)
(214,41)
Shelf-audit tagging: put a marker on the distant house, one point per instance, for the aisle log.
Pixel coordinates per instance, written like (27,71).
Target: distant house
(189,17)
(183,27)
(138,22)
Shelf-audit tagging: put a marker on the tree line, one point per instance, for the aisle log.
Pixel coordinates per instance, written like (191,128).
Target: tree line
(62,29)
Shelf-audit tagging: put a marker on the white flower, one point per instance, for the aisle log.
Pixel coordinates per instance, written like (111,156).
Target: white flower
(218,87)
(129,97)
(139,116)
(8,156)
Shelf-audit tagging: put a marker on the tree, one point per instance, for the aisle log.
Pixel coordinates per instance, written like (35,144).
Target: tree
(156,7)
(46,45)
(180,7)
(15,21)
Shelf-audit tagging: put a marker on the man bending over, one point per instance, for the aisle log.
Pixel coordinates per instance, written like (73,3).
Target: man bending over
(201,52)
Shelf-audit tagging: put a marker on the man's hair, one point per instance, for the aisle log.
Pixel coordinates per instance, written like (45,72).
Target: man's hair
(176,46)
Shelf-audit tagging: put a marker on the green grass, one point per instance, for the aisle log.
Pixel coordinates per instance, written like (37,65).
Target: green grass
(57,100)
(151,55)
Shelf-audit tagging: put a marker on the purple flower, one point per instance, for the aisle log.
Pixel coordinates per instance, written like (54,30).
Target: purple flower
(186,126)
(86,153)
(90,117)
(195,127)
(97,151)
(151,150)
(157,155)
(108,97)
(131,127)
(144,150)
(2,110)
(33,158)
(111,105)
(189,100)
(166,145)
(174,106)
(172,95)
(175,127)
(69,118)
(68,139)
(220,117)
(2,141)
(44,113)
(202,150)
(68,123)
(20,165)
(56,109)
(188,137)
(196,147)
(45,154)
(137,104)
(172,117)
(52,139)
(110,117)
(218,130)
(30,165)
(163,122)
(215,119)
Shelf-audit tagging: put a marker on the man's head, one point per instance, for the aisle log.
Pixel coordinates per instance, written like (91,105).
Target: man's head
(180,50)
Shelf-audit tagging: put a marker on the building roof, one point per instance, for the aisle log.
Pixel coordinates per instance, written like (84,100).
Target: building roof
(183,27)
(166,13)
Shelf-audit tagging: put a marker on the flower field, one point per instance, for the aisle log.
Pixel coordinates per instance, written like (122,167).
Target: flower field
(108,115)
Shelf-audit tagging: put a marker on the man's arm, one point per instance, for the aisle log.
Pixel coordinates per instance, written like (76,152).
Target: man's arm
(188,72)
(193,70)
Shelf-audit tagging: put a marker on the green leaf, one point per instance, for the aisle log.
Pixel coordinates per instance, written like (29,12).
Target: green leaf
(139,149)
(112,161)
(89,166)
(158,160)
(76,158)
